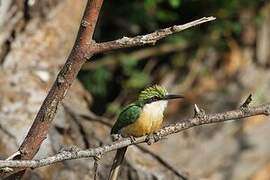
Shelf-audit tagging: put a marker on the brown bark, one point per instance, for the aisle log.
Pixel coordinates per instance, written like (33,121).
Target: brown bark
(79,54)
(66,76)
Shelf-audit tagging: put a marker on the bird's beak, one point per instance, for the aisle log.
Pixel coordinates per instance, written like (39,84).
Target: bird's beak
(172,96)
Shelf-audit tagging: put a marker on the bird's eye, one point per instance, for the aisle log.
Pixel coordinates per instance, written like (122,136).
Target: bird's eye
(155,98)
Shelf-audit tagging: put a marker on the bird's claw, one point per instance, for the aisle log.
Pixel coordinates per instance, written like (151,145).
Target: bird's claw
(132,139)
(152,138)
(98,156)
(116,137)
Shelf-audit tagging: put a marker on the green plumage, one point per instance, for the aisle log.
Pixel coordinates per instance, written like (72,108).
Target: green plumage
(128,116)
(138,119)
(152,91)
(132,112)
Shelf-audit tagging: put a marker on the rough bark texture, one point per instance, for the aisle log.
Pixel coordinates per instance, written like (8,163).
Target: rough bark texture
(28,70)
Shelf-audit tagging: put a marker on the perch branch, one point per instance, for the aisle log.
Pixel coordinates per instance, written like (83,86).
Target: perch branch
(151,38)
(103,120)
(200,119)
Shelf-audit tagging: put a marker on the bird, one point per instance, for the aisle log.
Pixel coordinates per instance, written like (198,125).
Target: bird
(140,118)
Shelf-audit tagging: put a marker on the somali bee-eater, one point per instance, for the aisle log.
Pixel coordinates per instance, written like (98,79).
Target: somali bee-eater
(140,118)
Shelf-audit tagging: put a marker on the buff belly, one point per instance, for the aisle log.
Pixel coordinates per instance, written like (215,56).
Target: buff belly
(144,125)
(149,121)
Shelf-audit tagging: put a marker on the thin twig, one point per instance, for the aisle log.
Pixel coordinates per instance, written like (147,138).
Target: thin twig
(151,38)
(171,129)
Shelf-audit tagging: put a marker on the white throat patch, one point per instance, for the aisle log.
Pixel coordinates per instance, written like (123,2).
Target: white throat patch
(150,120)
(155,109)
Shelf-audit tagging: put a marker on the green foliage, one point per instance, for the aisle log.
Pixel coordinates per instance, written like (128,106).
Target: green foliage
(164,16)
(96,81)
(140,17)
(128,64)
(114,108)
(136,79)
(175,3)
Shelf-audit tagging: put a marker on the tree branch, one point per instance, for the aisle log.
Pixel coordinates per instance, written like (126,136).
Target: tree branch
(83,49)
(66,76)
(103,120)
(151,38)
(141,54)
(200,119)
(78,56)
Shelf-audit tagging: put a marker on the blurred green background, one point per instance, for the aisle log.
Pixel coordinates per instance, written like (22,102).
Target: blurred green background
(197,55)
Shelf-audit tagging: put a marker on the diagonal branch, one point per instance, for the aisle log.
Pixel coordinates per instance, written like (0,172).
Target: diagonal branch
(199,119)
(65,78)
(151,38)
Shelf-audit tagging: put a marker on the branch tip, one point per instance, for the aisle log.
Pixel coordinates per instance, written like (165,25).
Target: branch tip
(210,18)
(196,109)
(199,113)
(247,102)
(151,38)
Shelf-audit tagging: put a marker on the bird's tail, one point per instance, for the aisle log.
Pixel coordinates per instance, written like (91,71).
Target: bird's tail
(118,159)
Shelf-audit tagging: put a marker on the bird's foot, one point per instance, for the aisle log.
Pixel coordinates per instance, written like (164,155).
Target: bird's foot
(132,139)
(152,138)
(116,137)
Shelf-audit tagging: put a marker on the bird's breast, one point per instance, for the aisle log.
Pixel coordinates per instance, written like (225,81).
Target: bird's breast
(149,121)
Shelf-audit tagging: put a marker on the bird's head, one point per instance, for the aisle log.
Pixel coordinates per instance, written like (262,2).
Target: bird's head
(156,93)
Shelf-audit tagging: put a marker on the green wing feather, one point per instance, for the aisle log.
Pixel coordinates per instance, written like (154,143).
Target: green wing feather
(128,116)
